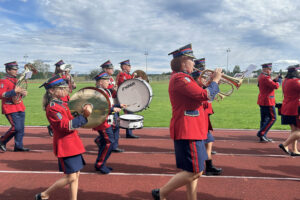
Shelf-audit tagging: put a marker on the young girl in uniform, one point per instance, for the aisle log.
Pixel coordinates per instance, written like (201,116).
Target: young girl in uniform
(106,139)
(67,145)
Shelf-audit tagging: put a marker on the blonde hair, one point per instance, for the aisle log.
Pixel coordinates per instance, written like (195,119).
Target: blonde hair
(47,98)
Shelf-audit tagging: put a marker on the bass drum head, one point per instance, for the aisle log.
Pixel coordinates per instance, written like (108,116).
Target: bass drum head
(94,96)
(135,93)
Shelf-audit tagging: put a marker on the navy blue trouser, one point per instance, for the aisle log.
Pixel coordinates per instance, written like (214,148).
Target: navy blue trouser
(116,131)
(105,142)
(128,131)
(16,120)
(267,119)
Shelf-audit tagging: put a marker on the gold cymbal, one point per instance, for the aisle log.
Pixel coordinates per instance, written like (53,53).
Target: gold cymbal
(98,99)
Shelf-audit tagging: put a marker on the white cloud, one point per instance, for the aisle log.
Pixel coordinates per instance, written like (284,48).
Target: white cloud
(88,33)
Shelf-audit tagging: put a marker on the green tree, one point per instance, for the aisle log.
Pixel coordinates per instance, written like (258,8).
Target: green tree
(236,69)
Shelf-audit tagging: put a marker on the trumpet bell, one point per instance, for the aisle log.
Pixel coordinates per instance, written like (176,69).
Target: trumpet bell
(99,101)
(206,78)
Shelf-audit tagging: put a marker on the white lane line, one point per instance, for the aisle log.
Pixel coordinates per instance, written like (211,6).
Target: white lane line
(145,174)
(172,152)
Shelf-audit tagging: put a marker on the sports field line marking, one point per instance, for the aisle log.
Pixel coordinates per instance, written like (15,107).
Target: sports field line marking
(144,174)
(219,129)
(172,152)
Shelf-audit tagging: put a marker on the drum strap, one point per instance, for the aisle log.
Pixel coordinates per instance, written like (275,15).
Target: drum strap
(109,95)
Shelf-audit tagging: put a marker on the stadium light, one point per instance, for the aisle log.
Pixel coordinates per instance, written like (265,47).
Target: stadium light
(227,50)
(146,54)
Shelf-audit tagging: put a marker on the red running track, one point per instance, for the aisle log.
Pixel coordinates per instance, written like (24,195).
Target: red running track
(252,170)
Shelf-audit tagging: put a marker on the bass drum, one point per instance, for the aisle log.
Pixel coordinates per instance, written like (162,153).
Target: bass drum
(130,121)
(97,98)
(136,94)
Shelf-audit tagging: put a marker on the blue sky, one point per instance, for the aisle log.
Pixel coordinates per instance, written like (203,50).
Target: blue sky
(87,33)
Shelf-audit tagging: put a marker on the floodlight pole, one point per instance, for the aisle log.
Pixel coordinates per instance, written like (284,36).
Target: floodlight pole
(227,50)
(146,54)
(25,58)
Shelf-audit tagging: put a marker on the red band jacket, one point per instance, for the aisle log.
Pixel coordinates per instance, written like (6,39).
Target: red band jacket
(7,92)
(123,76)
(291,100)
(66,141)
(266,96)
(189,120)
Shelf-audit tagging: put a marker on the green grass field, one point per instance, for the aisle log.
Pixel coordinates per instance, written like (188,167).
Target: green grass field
(238,111)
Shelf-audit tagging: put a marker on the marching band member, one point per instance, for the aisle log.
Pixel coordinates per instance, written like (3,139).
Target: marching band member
(106,139)
(266,101)
(290,110)
(109,69)
(188,127)
(121,77)
(67,146)
(15,113)
(69,80)
(210,169)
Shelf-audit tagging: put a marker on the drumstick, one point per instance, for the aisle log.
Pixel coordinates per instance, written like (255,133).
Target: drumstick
(128,106)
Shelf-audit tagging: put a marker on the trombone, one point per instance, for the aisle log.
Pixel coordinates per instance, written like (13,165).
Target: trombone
(206,77)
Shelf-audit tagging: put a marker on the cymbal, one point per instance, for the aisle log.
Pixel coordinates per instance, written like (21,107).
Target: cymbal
(97,98)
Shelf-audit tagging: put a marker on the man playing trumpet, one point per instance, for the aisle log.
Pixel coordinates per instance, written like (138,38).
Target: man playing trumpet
(15,113)
(266,101)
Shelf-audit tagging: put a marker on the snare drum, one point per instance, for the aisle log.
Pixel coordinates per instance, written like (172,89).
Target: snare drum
(136,93)
(131,121)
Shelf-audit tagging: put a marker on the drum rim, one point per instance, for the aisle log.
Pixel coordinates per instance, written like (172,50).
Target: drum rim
(132,120)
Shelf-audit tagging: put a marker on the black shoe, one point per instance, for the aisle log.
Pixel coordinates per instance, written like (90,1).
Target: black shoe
(155,194)
(132,136)
(213,171)
(283,149)
(39,197)
(213,152)
(50,131)
(103,170)
(263,139)
(21,149)
(2,146)
(295,154)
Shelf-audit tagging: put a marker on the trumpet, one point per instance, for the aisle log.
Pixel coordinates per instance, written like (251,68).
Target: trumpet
(206,77)
(22,81)
(66,67)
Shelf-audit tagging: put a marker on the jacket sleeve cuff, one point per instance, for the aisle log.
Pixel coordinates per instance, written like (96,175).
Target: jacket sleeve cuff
(77,122)
(212,90)
(10,93)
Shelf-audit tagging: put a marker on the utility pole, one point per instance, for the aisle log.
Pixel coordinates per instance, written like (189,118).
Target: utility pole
(25,58)
(227,50)
(146,54)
